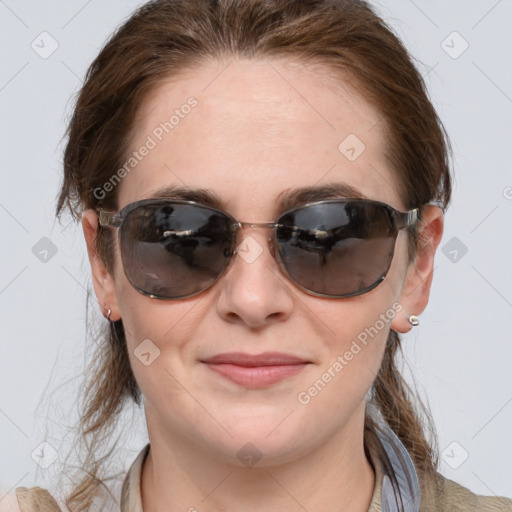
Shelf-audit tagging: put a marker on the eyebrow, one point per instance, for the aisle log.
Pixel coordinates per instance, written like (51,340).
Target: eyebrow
(285,200)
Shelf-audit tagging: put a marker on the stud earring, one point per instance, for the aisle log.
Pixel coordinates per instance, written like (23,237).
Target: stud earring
(413,320)
(108,314)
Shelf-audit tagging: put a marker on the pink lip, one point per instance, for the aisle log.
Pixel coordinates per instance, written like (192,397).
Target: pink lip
(256,370)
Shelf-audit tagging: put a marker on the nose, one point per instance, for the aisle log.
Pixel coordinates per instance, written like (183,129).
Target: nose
(254,291)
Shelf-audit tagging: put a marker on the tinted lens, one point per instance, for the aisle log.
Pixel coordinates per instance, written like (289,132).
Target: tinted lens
(174,250)
(336,248)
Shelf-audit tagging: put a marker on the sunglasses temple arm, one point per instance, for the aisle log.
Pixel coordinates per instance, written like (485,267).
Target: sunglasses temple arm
(406,219)
(108,219)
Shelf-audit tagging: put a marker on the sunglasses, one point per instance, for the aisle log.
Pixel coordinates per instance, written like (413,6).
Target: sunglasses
(173,249)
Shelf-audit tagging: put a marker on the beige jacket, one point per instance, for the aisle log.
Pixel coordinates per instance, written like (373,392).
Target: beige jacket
(437,495)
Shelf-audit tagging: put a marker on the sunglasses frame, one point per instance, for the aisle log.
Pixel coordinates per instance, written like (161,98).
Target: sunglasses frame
(399,221)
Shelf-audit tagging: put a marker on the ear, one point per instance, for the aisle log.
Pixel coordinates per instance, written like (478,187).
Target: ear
(416,288)
(103,282)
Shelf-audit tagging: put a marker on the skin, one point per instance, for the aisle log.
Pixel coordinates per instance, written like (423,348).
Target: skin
(260,127)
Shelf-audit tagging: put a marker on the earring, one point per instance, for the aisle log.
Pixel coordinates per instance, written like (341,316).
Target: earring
(108,314)
(413,320)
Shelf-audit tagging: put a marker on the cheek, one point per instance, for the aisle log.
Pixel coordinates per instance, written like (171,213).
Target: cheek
(358,331)
(156,336)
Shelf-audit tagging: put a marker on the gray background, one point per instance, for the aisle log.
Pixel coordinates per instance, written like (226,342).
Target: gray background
(460,355)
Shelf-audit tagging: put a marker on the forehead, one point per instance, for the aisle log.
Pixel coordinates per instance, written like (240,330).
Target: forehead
(253,131)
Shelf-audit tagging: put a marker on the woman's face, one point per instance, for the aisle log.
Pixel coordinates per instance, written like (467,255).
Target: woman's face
(254,130)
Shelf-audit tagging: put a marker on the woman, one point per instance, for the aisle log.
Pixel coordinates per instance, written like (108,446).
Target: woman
(261,187)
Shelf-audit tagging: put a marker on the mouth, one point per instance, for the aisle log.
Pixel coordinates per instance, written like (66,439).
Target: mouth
(256,370)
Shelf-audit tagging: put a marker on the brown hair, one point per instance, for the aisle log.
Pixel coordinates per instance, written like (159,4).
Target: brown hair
(165,37)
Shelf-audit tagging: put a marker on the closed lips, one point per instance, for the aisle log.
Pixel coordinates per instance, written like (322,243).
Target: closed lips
(251,360)
(256,371)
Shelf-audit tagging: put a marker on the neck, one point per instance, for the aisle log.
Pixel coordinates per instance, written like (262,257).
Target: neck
(334,476)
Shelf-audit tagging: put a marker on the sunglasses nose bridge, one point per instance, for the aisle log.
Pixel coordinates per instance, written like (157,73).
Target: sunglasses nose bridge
(266,225)
(257,224)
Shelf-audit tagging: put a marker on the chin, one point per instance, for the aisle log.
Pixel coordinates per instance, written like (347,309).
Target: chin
(260,441)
